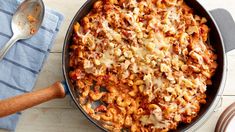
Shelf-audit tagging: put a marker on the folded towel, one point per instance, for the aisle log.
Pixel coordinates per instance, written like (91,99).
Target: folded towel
(20,67)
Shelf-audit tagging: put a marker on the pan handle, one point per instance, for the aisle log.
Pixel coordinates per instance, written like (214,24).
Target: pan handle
(22,102)
(226,24)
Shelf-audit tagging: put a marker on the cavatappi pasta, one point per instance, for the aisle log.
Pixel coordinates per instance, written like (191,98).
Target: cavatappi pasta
(147,61)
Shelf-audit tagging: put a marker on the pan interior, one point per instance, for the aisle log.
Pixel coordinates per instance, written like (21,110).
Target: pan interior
(215,41)
(83,11)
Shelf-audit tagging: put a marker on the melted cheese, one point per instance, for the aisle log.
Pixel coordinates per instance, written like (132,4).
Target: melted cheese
(110,32)
(107,59)
(84,37)
(147,47)
(156,119)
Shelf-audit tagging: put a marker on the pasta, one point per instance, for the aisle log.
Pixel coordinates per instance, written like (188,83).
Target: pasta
(147,61)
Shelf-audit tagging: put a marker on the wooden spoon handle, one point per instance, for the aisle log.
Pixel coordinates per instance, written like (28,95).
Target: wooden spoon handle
(22,102)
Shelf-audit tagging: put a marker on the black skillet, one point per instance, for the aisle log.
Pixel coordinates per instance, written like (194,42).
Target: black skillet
(217,19)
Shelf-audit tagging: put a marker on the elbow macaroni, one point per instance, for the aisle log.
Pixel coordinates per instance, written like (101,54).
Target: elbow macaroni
(147,61)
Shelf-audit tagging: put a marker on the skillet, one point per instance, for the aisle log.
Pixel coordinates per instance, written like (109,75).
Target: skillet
(222,28)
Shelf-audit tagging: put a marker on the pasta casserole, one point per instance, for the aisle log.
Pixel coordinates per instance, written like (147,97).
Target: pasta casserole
(147,63)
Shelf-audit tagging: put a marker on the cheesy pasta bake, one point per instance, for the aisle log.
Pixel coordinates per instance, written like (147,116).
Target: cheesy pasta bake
(147,63)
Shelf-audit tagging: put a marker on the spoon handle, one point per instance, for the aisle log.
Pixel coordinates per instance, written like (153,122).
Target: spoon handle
(7,46)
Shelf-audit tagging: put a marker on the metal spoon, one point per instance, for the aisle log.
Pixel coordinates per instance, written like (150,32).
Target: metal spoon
(25,22)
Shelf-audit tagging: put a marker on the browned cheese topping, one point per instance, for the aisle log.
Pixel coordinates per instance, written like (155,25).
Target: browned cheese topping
(148,61)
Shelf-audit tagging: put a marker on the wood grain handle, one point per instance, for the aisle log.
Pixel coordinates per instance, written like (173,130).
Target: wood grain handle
(22,102)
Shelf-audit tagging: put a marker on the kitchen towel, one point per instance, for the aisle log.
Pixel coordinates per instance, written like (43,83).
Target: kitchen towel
(22,64)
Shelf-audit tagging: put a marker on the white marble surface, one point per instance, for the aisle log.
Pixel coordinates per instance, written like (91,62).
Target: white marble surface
(63,116)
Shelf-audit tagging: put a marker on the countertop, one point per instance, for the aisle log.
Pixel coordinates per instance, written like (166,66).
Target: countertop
(63,116)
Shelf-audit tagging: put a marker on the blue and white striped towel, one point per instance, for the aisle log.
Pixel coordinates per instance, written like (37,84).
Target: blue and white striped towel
(22,64)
